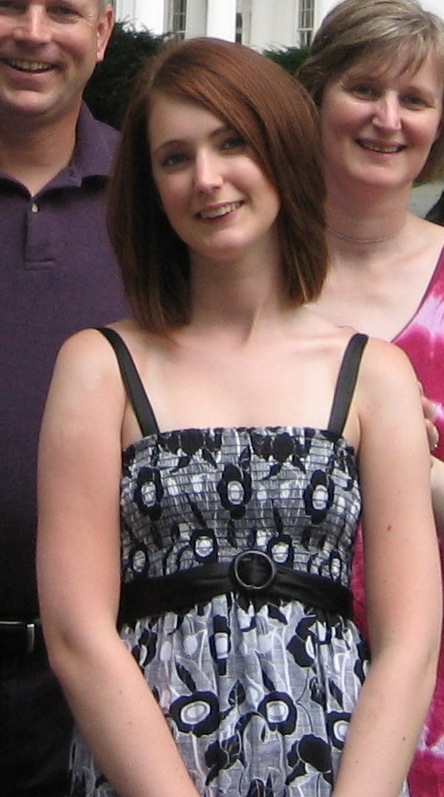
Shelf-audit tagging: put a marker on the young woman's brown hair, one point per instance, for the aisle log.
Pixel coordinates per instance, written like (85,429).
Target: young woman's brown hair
(271,111)
(376,33)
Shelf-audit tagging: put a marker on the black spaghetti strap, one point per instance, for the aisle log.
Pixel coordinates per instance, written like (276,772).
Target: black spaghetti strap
(345,386)
(133,385)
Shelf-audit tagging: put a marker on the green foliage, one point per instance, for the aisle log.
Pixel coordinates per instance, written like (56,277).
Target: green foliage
(290,58)
(436,213)
(108,90)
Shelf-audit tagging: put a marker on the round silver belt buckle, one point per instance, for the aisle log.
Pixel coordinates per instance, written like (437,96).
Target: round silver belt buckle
(262,565)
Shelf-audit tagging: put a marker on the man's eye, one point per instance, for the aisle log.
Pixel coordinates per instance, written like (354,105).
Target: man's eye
(65,11)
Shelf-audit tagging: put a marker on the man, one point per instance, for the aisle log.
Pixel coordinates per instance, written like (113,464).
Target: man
(57,275)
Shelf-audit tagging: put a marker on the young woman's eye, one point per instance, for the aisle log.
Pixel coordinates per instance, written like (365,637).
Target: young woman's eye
(9,5)
(234,142)
(174,159)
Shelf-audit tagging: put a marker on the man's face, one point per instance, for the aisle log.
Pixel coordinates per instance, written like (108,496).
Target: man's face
(48,50)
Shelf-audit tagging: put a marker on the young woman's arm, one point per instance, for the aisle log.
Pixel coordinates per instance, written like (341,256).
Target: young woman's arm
(79,575)
(403,578)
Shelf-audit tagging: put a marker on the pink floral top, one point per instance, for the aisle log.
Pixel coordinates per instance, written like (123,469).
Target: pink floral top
(423,341)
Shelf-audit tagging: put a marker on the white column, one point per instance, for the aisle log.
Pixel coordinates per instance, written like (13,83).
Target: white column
(151,14)
(196,18)
(272,24)
(221,19)
(143,14)
(321,9)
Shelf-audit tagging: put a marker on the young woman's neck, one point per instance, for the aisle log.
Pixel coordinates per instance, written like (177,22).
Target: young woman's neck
(240,298)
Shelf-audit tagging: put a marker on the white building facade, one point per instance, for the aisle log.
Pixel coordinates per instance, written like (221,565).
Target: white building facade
(261,24)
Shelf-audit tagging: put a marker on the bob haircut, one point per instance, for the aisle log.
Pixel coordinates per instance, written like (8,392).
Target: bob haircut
(268,108)
(376,33)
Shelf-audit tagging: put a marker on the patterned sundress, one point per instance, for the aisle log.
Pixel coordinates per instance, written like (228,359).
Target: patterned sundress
(258,694)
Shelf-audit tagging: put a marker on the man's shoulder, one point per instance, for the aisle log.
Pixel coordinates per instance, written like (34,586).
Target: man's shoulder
(108,133)
(95,146)
(92,129)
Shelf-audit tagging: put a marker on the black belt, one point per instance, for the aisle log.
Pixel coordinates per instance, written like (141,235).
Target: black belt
(18,638)
(251,572)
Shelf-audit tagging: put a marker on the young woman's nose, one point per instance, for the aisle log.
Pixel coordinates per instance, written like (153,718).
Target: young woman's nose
(387,112)
(33,25)
(207,172)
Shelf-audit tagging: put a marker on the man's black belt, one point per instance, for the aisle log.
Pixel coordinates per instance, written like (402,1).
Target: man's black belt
(252,573)
(20,638)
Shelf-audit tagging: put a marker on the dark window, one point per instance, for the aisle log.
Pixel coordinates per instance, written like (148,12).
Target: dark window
(306,22)
(178,25)
(239,27)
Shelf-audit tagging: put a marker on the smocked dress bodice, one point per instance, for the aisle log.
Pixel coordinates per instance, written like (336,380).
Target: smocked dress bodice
(201,495)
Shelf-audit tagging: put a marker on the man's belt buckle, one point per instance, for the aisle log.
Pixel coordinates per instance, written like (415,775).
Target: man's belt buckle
(253,571)
(28,627)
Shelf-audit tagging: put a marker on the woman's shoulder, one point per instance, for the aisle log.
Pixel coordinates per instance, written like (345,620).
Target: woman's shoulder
(382,356)
(383,365)
(386,375)
(88,346)
(87,361)
(426,236)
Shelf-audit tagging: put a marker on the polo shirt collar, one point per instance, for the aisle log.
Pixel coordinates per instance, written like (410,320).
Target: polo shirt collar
(92,157)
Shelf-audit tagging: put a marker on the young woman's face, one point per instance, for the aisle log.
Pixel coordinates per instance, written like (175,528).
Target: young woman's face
(215,195)
(378,127)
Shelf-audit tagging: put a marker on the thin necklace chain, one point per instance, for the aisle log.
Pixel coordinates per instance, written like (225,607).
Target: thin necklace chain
(380,240)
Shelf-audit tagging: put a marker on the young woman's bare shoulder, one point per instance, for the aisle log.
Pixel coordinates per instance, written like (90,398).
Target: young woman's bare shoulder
(386,374)
(87,370)
(380,356)
(89,353)
(86,355)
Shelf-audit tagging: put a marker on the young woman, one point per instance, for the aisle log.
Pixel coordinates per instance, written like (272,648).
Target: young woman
(226,503)
(376,72)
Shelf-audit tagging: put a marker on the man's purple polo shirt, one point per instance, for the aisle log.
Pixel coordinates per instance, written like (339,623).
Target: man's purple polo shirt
(57,275)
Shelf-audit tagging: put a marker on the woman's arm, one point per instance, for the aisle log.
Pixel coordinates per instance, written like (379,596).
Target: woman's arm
(79,575)
(438,493)
(437,466)
(403,579)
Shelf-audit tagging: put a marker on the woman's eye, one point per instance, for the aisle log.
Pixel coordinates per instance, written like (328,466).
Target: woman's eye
(234,142)
(174,159)
(362,90)
(414,101)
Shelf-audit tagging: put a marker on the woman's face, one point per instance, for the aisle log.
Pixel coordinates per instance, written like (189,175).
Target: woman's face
(215,195)
(378,126)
